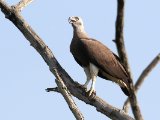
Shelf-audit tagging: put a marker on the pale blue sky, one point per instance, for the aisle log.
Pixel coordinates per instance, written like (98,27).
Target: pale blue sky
(24,75)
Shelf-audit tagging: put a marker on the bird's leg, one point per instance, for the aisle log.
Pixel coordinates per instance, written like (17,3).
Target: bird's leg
(92,89)
(86,70)
(86,83)
(94,72)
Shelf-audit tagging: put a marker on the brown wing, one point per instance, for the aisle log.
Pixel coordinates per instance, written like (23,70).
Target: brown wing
(103,58)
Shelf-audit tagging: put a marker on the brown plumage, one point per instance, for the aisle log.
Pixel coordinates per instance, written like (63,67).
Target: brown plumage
(96,58)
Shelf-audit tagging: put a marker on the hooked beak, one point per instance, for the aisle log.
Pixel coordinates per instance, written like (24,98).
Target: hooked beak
(72,20)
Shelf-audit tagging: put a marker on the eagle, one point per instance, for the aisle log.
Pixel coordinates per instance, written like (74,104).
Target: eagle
(96,59)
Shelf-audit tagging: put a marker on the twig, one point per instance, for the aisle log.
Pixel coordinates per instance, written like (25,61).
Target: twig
(146,71)
(47,55)
(52,89)
(141,79)
(22,4)
(123,57)
(67,96)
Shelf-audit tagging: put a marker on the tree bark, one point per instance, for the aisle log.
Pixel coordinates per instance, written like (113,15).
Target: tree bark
(68,97)
(47,55)
(123,57)
(141,79)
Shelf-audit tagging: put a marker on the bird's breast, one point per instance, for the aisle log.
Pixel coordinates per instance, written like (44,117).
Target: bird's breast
(78,52)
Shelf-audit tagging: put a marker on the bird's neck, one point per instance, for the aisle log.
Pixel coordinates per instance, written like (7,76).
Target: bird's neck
(80,33)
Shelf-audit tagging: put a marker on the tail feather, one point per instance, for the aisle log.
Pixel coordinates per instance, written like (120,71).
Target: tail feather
(126,91)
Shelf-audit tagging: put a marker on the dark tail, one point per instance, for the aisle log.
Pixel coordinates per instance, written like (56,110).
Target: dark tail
(125,91)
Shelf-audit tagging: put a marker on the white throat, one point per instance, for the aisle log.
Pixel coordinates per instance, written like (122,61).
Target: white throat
(80,32)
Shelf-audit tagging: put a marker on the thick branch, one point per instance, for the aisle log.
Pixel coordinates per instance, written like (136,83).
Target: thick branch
(141,78)
(123,56)
(53,64)
(67,96)
(119,35)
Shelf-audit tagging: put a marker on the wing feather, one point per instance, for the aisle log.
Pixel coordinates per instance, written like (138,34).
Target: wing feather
(103,58)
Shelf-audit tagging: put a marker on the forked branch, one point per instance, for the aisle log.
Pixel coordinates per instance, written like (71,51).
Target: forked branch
(53,64)
(141,79)
(22,4)
(123,57)
(68,97)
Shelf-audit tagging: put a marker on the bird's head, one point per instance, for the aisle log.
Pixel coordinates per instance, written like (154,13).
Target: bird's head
(76,22)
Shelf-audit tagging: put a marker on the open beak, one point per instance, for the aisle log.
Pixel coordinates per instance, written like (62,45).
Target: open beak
(71,20)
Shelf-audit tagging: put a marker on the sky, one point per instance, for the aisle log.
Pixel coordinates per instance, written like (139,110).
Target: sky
(24,75)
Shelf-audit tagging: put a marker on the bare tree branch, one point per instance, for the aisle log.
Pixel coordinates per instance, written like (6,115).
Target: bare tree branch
(68,97)
(62,88)
(141,79)
(22,4)
(47,55)
(123,57)
(52,89)
(146,71)
(119,35)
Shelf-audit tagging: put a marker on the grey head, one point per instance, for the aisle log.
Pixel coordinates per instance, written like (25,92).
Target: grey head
(76,22)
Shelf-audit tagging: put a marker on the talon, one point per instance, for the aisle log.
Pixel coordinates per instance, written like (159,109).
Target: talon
(91,93)
(84,87)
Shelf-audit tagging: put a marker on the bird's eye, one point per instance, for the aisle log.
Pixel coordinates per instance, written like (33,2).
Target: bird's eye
(76,18)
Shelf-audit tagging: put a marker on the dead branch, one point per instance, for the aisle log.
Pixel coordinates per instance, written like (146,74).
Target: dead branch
(146,71)
(53,64)
(123,57)
(119,35)
(55,89)
(68,97)
(141,79)
(22,4)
